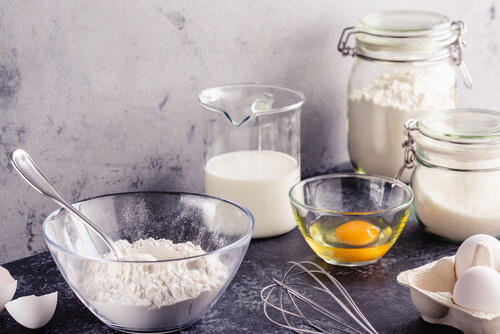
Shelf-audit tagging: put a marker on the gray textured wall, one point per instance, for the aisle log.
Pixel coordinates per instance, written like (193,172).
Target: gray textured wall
(103,94)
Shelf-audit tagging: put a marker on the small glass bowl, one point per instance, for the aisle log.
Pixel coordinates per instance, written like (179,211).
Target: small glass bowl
(351,219)
(221,228)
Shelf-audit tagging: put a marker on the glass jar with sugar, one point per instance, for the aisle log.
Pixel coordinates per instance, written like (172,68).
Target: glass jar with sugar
(404,68)
(456,179)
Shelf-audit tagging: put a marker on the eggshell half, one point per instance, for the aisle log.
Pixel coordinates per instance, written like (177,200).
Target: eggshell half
(31,311)
(8,286)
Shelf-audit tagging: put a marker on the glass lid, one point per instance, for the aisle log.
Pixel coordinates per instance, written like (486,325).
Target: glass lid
(468,126)
(404,22)
(405,29)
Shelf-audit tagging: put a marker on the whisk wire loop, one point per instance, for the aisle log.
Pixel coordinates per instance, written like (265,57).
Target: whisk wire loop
(286,312)
(324,288)
(295,319)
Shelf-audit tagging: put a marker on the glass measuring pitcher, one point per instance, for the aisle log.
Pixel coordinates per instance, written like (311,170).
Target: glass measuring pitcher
(252,150)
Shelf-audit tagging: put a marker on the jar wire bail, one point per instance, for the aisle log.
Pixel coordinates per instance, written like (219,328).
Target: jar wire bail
(408,147)
(457,52)
(343,48)
(456,48)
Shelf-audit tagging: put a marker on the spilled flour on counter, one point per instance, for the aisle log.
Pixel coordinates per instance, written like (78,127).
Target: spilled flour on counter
(152,294)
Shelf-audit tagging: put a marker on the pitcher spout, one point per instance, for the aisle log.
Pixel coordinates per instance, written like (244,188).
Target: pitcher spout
(240,103)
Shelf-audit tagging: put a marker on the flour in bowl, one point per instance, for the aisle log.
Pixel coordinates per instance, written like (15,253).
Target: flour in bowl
(153,294)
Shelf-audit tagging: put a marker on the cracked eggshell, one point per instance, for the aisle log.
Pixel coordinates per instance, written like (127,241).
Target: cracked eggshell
(431,289)
(8,286)
(31,311)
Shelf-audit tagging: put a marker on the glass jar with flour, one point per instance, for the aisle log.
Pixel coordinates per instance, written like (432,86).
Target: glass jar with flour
(404,68)
(456,179)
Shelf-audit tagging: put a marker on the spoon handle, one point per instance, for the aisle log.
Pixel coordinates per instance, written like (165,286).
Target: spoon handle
(26,167)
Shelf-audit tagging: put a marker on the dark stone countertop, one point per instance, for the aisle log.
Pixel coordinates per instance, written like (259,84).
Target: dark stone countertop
(385,303)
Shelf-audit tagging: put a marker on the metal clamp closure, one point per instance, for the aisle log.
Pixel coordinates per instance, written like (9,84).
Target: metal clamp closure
(350,51)
(409,147)
(342,47)
(457,49)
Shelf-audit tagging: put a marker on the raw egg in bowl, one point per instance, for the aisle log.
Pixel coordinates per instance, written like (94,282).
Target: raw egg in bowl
(351,219)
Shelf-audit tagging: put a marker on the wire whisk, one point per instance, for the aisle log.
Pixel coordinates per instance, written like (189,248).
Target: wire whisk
(289,303)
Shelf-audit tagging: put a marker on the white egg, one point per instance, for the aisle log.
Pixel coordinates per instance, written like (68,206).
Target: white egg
(8,286)
(478,289)
(31,311)
(465,253)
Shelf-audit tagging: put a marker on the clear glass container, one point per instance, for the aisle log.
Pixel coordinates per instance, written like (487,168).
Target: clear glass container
(404,68)
(456,179)
(351,219)
(252,150)
(115,290)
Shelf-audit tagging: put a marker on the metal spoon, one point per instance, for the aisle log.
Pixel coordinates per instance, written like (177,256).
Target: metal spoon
(34,176)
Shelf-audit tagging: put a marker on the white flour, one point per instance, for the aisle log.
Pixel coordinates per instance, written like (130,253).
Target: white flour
(153,295)
(377,114)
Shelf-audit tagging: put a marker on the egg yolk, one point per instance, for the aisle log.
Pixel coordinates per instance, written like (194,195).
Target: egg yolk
(356,233)
(359,254)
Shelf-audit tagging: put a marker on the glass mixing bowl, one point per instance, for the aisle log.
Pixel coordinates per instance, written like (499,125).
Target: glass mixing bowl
(221,228)
(351,219)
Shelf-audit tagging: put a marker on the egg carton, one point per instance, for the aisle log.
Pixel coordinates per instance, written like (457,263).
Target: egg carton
(431,289)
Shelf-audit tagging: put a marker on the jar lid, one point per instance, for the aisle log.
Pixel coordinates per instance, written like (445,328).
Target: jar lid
(470,136)
(466,126)
(405,31)
(405,23)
